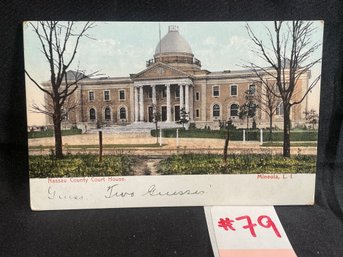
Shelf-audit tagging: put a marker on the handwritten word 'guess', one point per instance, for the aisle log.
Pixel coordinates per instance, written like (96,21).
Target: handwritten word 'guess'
(263,221)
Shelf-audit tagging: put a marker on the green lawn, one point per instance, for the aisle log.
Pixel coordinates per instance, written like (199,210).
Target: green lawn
(237,164)
(86,165)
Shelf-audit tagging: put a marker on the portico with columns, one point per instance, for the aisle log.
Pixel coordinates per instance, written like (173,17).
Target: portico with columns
(166,96)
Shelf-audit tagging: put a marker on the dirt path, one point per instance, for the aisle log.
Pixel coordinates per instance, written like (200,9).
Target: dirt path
(140,167)
(152,165)
(146,166)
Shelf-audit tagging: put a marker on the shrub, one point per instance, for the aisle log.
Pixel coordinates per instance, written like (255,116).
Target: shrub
(50,133)
(304,135)
(237,164)
(237,134)
(191,164)
(79,166)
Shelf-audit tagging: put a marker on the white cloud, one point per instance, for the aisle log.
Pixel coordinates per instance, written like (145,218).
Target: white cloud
(238,42)
(212,41)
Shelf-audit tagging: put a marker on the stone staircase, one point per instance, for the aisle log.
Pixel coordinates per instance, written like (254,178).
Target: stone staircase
(136,127)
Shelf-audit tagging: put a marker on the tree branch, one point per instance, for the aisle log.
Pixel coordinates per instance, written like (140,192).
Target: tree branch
(39,86)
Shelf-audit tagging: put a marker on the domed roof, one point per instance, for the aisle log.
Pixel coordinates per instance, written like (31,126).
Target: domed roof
(173,42)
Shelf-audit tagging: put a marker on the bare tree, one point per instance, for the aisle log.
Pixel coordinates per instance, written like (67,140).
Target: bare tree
(312,117)
(184,117)
(156,119)
(248,109)
(228,126)
(268,101)
(288,54)
(59,43)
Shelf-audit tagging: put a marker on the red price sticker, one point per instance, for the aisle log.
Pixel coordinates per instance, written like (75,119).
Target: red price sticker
(264,221)
(248,232)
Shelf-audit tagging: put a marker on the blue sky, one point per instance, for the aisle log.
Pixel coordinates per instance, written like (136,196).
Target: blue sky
(121,48)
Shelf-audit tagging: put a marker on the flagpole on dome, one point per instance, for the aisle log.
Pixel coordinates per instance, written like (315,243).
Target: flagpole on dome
(159,33)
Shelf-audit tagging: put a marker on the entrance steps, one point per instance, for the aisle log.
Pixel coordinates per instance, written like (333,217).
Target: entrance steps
(136,127)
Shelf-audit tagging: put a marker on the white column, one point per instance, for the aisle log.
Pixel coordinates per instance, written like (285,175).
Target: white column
(136,104)
(131,110)
(203,103)
(141,104)
(154,96)
(168,103)
(191,103)
(181,97)
(187,98)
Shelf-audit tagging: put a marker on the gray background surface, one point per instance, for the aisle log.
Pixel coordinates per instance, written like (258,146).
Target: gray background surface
(313,230)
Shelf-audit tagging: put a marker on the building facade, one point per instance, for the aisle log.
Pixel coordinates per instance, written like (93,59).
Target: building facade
(174,84)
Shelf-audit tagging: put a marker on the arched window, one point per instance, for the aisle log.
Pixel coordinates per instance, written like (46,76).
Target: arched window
(122,113)
(234,110)
(216,110)
(92,115)
(279,109)
(107,113)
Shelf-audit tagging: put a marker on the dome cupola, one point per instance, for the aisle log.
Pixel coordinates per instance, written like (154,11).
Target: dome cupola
(174,50)
(173,42)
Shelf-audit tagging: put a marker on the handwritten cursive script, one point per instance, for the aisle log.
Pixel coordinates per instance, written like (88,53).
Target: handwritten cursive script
(112,192)
(153,191)
(54,195)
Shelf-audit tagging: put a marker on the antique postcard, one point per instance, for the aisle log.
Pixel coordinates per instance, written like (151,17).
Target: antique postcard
(133,114)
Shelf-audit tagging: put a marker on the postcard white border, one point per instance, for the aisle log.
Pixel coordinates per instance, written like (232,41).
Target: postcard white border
(170,190)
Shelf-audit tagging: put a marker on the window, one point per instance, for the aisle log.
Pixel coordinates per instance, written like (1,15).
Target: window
(215,91)
(150,92)
(234,110)
(106,95)
(92,115)
(197,96)
(122,94)
(233,90)
(216,111)
(252,89)
(177,92)
(122,113)
(107,113)
(197,113)
(91,96)
(279,109)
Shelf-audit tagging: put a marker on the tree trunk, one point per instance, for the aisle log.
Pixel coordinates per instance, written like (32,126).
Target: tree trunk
(270,128)
(286,132)
(247,128)
(226,145)
(100,146)
(156,126)
(58,137)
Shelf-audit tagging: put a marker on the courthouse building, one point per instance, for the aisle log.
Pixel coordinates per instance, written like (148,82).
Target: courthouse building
(173,80)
